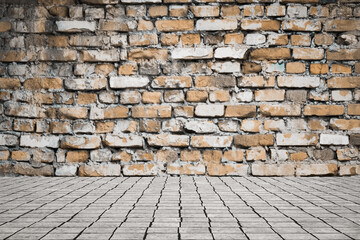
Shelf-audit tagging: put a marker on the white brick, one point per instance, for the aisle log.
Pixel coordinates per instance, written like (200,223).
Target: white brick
(201,126)
(230,52)
(146,169)
(275,10)
(211,141)
(296,139)
(101,56)
(75,26)
(297,11)
(298,81)
(341,95)
(39,141)
(66,171)
(255,39)
(167,140)
(129,82)
(8,140)
(216,24)
(246,96)
(209,110)
(226,67)
(333,139)
(123,141)
(192,53)
(101,155)
(85,83)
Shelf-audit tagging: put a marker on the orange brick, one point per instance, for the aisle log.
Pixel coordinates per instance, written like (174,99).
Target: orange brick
(234,155)
(230,11)
(340,68)
(169,39)
(174,25)
(86,98)
(300,40)
(196,96)
(295,67)
(158,11)
(234,38)
(191,155)
(270,53)
(190,39)
(299,156)
(263,25)
(151,97)
(354,109)
(323,110)
(318,68)
(77,156)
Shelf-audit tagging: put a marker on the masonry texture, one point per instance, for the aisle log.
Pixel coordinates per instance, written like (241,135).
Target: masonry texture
(172,87)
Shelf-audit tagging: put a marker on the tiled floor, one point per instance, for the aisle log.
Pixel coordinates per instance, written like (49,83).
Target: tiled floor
(180,208)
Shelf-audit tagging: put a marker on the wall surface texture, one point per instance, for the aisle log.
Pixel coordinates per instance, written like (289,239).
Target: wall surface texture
(199,87)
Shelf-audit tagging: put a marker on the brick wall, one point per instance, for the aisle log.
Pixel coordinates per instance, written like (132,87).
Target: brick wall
(156,87)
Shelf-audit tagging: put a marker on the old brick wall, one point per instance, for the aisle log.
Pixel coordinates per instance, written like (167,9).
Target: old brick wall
(156,87)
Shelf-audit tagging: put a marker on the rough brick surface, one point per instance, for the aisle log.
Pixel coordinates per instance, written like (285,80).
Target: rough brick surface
(193,87)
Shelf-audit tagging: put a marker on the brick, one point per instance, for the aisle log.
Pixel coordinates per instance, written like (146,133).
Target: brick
(151,97)
(347,170)
(347,154)
(316,169)
(151,112)
(178,11)
(143,39)
(27,169)
(270,53)
(275,110)
(158,11)
(169,39)
(216,24)
(297,139)
(343,54)
(75,26)
(263,25)
(234,38)
(123,141)
(318,68)
(274,125)
(317,125)
(39,141)
(253,10)
(230,11)
(5,26)
(144,25)
(80,142)
(234,155)
(149,126)
(215,81)
(99,170)
(269,95)
(275,10)
(108,113)
(89,41)
(301,25)
(60,127)
(205,11)
(174,25)
(72,113)
(23,110)
(171,82)
(341,95)
(128,82)
(185,169)
(4,155)
(17,56)
(340,25)
(168,140)
(219,96)
(85,83)
(192,53)
(254,140)
(190,155)
(256,154)
(201,126)
(230,53)
(196,96)
(57,55)
(300,40)
(43,83)
(114,25)
(323,39)
(296,81)
(333,139)
(278,39)
(211,141)
(353,109)
(20,155)
(249,125)
(240,111)
(86,98)
(339,68)
(319,96)
(128,69)
(273,170)
(255,39)
(101,56)
(227,169)
(149,53)
(225,67)
(66,171)
(145,169)
(308,53)
(323,110)
(344,82)
(256,81)
(212,110)
(10,83)
(98,2)
(190,39)
(77,156)
(295,67)
(130,97)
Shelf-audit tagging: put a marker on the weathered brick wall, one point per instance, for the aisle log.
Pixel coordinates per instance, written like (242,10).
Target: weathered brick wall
(155,87)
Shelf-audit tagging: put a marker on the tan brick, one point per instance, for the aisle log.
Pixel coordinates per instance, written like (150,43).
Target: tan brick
(168,140)
(340,68)
(249,125)
(169,39)
(253,11)
(319,11)
(347,154)
(297,139)
(205,11)
(190,155)
(122,156)
(227,169)
(104,127)
(20,155)
(211,141)
(23,125)
(17,56)
(128,69)
(212,156)
(234,155)
(113,25)
(250,67)
(151,97)
(99,170)
(104,69)
(186,169)
(58,55)
(300,40)
(295,67)
(323,110)
(109,113)
(81,142)
(268,95)
(323,39)
(343,54)
(280,110)
(270,53)
(196,96)
(347,170)
(167,155)
(316,169)
(298,156)
(219,96)
(273,170)
(143,39)
(301,25)
(72,113)
(263,25)
(256,154)
(319,68)
(144,25)
(174,25)
(219,81)
(317,125)
(274,125)
(27,169)
(345,124)
(340,25)
(178,11)
(158,11)
(254,140)
(124,140)
(230,11)
(240,111)
(60,127)
(344,82)
(190,39)
(149,53)
(171,82)
(234,38)
(58,41)
(10,83)
(151,112)
(184,111)
(353,109)
(278,39)
(77,156)
(5,26)
(86,98)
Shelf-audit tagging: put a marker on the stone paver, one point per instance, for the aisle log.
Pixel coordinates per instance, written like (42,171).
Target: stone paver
(189,208)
